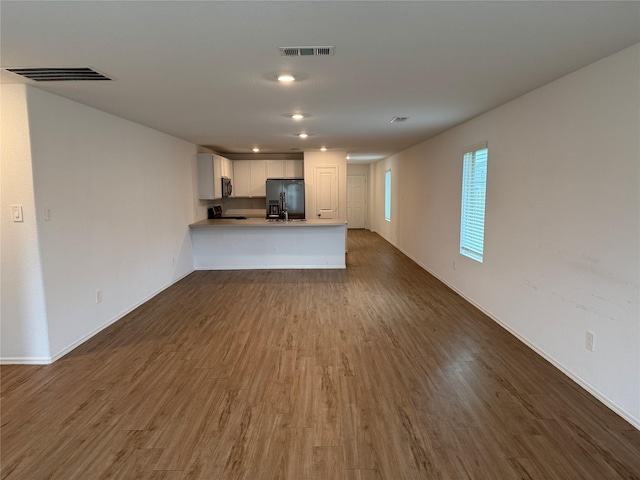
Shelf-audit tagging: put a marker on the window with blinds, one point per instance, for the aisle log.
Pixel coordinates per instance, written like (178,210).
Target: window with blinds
(387,195)
(474,188)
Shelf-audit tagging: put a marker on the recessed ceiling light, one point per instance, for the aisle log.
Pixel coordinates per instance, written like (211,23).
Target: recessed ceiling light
(324,149)
(256,149)
(286,78)
(348,157)
(303,135)
(297,116)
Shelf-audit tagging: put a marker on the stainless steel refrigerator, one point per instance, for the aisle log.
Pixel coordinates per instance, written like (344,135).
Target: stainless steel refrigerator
(285,198)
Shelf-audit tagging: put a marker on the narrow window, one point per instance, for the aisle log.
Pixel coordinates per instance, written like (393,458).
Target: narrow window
(387,195)
(474,187)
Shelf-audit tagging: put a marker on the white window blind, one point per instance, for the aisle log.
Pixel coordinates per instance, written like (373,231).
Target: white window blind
(387,195)
(474,188)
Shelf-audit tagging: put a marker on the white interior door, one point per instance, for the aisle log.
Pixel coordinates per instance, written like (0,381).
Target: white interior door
(326,186)
(356,200)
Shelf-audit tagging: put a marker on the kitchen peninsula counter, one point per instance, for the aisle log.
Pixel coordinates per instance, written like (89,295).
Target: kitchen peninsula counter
(261,222)
(257,243)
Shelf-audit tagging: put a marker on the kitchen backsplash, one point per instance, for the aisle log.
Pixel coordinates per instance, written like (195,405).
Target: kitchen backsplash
(249,207)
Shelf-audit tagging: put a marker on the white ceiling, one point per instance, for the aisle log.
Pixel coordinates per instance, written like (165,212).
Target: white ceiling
(204,71)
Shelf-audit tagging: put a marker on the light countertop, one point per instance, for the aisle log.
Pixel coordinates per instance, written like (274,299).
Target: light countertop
(262,222)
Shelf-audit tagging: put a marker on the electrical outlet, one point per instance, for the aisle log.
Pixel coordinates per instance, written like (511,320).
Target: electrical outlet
(98,296)
(590,341)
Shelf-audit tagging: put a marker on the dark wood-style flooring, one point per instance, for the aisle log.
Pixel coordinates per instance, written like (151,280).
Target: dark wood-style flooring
(374,372)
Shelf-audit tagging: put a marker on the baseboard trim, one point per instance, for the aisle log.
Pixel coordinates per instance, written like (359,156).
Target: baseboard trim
(272,267)
(80,341)
(25,360)
(601,397)
(125,312)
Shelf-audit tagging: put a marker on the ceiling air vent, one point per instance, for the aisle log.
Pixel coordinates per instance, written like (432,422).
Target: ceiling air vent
(59,74)
(398,119)
(306,51)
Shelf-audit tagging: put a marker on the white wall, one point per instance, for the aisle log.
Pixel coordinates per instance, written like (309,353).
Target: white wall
(562,221)
(23,325)
(120,197)
(358,169)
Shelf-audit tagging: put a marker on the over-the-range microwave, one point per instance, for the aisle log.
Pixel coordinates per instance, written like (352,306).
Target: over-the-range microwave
(227,188)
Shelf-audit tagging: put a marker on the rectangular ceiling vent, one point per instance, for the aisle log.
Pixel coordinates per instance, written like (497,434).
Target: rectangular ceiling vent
(398,119)
(306,51)
(59,74)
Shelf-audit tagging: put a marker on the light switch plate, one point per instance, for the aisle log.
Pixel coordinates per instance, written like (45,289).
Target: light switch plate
(16,213)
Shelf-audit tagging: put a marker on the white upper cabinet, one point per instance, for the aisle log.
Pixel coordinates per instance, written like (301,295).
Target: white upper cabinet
(285,168)
(294,168)
(227,168)
(249,176)
(258,178)
(210,176)
(242,178)
(275,169)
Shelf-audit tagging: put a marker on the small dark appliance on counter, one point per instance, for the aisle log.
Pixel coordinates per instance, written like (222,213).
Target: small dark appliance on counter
(215,212)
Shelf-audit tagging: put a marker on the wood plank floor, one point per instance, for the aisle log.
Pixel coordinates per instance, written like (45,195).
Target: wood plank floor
(373,372)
